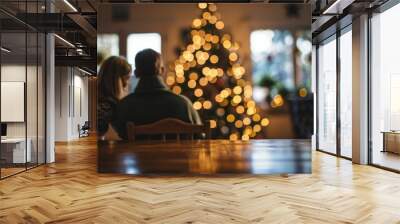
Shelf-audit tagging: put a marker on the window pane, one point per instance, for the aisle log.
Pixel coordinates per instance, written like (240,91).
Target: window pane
(271,54)
(385,84)
(346,94)
(14,150)
(108,44)
(138,42)
(327,97)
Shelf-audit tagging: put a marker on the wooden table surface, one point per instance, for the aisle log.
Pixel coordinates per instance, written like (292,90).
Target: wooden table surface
(205,157)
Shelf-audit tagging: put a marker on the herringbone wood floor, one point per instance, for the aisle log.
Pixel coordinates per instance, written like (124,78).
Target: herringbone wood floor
(71,191)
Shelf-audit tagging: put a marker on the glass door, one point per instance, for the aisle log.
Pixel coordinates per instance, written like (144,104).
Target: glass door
(385,89)
(22,90)
(14,153)
(346,93)
(327,96)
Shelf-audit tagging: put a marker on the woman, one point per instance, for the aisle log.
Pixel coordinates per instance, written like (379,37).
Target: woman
(114,76)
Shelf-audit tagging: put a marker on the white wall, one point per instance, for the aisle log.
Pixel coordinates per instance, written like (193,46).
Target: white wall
(71,94)
(12,73)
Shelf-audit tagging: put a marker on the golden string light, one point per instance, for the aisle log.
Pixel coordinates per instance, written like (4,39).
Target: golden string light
(198,92)
(202,5)
(243,121)
(219,25)
(192,84)
(213,124)
(177,90)
(197,105)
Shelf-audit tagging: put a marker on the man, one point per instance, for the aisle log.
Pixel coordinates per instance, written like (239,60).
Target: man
(152,100)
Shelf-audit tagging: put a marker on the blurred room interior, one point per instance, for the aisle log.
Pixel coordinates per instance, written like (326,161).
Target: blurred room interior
(272,43)
(337,57)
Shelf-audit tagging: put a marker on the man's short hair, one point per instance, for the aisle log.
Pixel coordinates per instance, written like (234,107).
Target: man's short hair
(147,63)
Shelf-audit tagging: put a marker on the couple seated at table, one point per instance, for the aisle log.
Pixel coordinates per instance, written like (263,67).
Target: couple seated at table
(151,101)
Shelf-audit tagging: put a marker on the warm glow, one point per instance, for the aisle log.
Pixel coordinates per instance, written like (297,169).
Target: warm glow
(240,109)
(178,68)
(230,118)
(212,7)
(206,15)
(233,137)
(303,92)
(193,63)
(198,92)
(186,66)
(248,93)
(190,48)
(214,59)
(212,19)
(265,122)
(241,82)
(192,84)
(237,90)
(237,99)
(277,101)
(219,98)
(207,46)
(220,25)
(205,71)
(215,39)
(220,72)
(213,124)
(196,23)
(248,131)
(193,76)
(196,39)
(203,81)
(251,103)
(238,124)
(170,80)
(208,37)
(202,5)
(257,128)
(197,105)
(256,117)
(251,111)
(246,121)
(188,56)
(176,89)
(235,46)
(224,93)
(213,73)
(238,71)
(201,55)
(224,103)
(207,104)
(226,37)
(180,79)
(233,56)
(201,62)
(227,44)
(245,137)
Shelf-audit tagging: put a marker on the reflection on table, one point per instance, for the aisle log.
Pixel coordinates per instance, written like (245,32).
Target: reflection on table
(204,157)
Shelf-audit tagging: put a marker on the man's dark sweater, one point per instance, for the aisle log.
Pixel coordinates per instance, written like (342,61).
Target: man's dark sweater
(151,102)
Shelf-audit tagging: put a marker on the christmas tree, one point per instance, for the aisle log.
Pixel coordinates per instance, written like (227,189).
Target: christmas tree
(209,73)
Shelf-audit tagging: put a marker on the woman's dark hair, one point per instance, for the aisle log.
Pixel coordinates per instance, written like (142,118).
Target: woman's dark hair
(111,70)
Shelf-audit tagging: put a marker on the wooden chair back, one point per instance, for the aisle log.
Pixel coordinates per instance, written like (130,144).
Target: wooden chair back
(168,126)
